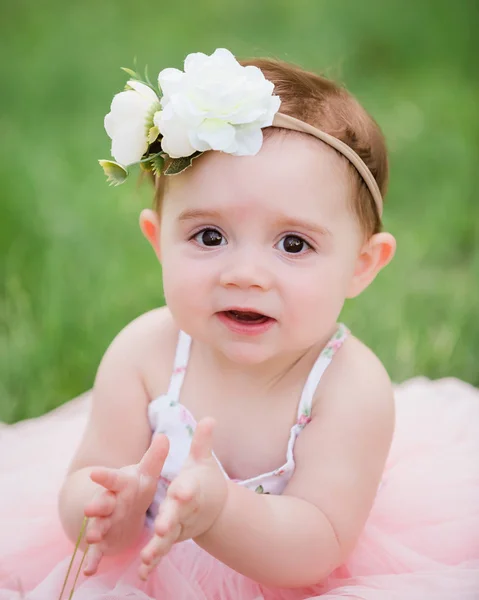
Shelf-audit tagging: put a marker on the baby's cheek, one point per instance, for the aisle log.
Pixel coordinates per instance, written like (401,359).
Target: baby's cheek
(181,273)
(187,298)
(177,282)
(313,315)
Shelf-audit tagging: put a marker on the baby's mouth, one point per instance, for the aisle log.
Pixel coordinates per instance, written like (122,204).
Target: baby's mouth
(246,317)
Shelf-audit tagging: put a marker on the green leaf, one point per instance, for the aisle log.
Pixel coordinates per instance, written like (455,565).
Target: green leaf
(177,165)
(148,157)
(146,165)
(157,163)
(116,174)
(153,133)
(147,79)
(130,72)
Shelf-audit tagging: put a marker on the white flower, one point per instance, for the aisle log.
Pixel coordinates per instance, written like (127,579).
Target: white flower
(127,123)
(215,104)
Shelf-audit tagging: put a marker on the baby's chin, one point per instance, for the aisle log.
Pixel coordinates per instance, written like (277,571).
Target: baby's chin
(254,354)
(247,353)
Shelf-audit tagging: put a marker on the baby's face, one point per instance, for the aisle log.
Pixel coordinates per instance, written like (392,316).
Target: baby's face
(258,252)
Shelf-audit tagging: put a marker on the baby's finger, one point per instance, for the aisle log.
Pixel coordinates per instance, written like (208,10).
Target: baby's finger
(202,442)
(158,547)
(145,570)
(111,479)
(97,529)
(92,561)
(154,458)
(101,505)
(168,517)
(178,507)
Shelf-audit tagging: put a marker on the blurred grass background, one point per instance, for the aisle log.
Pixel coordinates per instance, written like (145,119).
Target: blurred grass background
(74,267)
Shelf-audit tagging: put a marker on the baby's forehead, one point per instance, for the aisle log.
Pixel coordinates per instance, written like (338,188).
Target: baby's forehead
(288,162)
(289,180)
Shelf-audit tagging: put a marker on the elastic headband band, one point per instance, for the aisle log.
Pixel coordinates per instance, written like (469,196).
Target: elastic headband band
(287,122)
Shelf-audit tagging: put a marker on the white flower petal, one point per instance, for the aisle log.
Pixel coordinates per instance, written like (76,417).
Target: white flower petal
(187,110)
(169,81)
(195,61)
(274,104)
(175,142)
(128,146)
(223,58)
(249,141)
(217,134)
(197,143)
(124,106)
(144,90)
(255,75)
(178,145)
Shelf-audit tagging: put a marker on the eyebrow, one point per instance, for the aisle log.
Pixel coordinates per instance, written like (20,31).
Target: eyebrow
(195,213)
(300,224)
(286,222)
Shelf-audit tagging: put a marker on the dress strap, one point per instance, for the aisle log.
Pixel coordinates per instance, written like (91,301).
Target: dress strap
(319,367)
(179,366)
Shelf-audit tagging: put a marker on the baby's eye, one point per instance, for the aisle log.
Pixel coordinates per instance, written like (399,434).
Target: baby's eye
(209,237)
(293,244)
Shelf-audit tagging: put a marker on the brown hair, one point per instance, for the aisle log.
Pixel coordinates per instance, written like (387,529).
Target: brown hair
(331,108)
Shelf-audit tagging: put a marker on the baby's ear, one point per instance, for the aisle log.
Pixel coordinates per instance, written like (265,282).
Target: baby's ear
(150,226)
(375,254)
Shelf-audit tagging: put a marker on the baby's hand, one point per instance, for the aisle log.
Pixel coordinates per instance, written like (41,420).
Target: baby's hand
(193,502)
(118,512)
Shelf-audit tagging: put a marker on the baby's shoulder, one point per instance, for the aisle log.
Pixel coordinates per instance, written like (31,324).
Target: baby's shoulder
(148,343)
(357,382)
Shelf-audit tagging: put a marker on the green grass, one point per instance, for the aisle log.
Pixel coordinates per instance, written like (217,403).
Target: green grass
(74,266)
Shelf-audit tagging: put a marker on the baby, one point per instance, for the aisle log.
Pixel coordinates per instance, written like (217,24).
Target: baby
(242,415)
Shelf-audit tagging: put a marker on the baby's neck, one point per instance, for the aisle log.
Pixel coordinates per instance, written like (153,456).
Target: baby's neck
(279,371)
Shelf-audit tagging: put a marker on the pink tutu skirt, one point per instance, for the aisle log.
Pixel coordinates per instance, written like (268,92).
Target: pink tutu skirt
(421,540)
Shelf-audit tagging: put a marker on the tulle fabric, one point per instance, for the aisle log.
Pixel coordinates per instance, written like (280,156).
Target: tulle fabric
(421,540)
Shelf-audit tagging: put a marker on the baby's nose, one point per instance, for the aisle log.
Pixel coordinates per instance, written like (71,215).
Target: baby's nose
(247,270)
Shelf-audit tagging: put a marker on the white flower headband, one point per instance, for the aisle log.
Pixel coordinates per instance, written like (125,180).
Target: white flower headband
(215,104)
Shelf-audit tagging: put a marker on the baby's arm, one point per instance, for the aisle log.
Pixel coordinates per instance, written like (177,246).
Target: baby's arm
(117,433)
(298,538)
